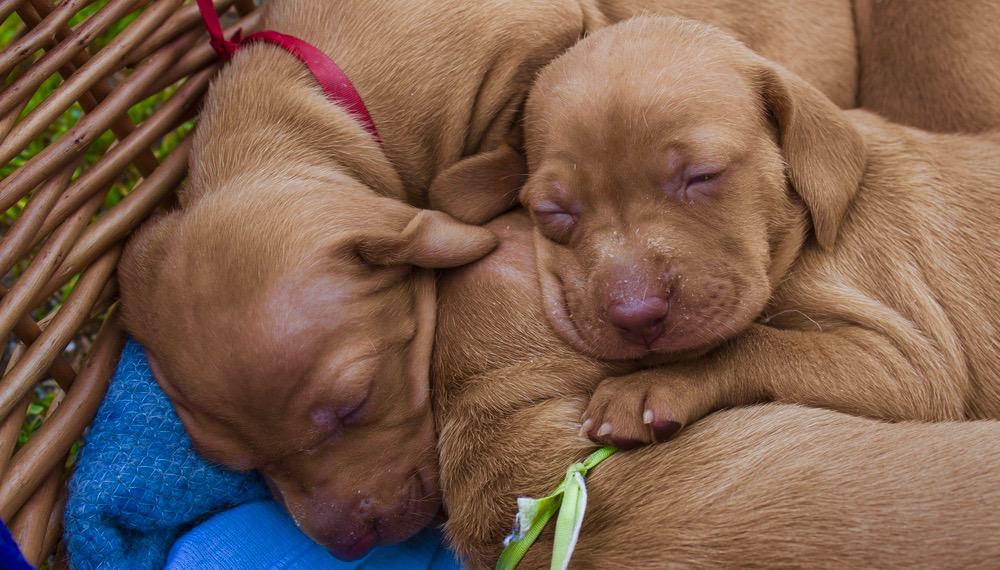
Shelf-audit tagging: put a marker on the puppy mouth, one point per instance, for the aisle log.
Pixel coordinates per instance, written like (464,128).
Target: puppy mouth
(554,291)
(417,508)
(692,327)
(366,541)
(561,318)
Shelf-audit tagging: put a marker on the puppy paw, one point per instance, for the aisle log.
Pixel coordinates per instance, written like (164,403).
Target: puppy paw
(641,408)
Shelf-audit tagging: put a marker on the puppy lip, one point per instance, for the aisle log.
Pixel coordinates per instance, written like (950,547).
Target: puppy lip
(560,312)
(357,549)
(565,326)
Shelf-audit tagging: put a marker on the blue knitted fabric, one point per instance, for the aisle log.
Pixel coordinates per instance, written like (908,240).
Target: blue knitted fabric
(138,483)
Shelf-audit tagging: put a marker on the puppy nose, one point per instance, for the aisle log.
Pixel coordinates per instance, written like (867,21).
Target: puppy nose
(641,320)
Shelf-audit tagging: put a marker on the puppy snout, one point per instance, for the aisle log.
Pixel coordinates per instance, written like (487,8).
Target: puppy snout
(349,530)
(640,320)
(352,543)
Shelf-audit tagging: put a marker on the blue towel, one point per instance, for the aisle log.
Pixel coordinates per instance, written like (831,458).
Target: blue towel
(139,485)
(262,535)
(138,482)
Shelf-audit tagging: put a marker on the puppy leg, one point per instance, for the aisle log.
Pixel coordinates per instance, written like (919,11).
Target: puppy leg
(850,369)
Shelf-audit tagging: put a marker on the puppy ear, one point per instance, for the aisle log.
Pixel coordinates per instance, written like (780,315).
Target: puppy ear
(825,155)
(481,187)
(431,239)
(139,268)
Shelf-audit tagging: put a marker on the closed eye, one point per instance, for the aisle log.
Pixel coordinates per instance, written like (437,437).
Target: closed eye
(352,414)
(703,178)
(555,220)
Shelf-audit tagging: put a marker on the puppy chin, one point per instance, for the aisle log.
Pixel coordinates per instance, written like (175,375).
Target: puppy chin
(354,540)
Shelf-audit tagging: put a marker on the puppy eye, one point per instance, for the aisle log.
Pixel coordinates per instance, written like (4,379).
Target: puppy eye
(388,273)
(352,413)
(703,178)
(555,221)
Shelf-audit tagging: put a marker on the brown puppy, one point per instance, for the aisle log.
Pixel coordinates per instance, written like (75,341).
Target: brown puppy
(288,306)
(782,248)
(815,39)
(931,63)
(765,487)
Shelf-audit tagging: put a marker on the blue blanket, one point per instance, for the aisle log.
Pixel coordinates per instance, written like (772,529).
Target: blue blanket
(139,485)
(10,554)
(261,535)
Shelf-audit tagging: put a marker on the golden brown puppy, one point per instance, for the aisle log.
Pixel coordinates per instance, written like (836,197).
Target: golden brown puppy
(931,63)
(815,39)
(288,305)
(775,486)
(771,245)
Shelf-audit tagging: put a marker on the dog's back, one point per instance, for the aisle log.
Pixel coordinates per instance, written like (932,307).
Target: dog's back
(769,486)
(918,257)
(931,63)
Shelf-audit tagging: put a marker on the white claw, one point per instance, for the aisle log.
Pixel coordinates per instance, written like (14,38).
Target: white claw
(605,429)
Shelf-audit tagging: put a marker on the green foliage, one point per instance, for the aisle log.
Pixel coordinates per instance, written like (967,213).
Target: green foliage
(9,28)
(45,393)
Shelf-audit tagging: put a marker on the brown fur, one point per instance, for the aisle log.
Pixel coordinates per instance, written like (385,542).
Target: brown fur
(864,281)
(931,63)
(816,39)
(774,486)
(287,306)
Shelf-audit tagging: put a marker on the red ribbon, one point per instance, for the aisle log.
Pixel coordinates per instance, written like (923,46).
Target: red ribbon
(337,87)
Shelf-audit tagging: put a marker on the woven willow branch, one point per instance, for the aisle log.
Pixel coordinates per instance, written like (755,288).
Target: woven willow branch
(63,230)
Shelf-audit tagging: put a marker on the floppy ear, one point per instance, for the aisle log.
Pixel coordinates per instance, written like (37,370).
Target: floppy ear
(481,187)
(431,239)
(824,153)
(139,268)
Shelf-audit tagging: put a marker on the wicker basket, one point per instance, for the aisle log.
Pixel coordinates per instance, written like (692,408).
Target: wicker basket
(69,208)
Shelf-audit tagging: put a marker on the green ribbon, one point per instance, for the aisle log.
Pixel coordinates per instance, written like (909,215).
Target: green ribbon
(569,500)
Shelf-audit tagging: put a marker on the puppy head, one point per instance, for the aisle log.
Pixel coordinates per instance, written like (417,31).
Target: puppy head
(292,331)
(674,174)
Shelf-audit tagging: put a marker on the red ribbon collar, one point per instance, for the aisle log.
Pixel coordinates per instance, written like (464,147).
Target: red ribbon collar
(337,87)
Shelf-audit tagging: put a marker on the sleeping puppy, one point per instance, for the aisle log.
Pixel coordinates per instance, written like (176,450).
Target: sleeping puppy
(774,486)
(932,63)
(287,306)
(815,39)
(703,211)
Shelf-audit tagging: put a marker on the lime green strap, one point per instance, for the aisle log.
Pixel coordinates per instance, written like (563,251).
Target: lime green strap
(569,499)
